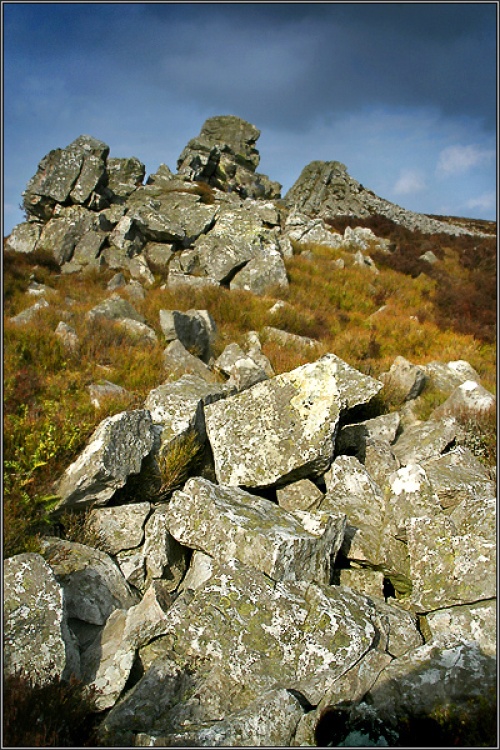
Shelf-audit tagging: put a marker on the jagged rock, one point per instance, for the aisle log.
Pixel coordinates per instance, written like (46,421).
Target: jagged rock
(429,257)
(467,622)
(99,392)
(114,451)
(362,238)
(72,174)
(363,580)
(107,662)
(120,528)
(118,281)
(294,436)
(164,557)
(125,175)
(424,440)
(285,338)
(379,460)
(301,495)
(409,494)
(158,253)
(87,250)
(224,155)
(447,376)
(135,291)
(301,229)
(24,237)
(36,635)
(241,369)
(470,396)
(263,273)
(364,261)
(68,336)
(201,568)
(178,361)
(126,237)
(178,279)
(63,232)
(195,329)
(406,378)
(38,290)
(139,270)
(93,585)
(448,568)
(351,490)
(253,348)
(229,523)
(28,315)
(115,308)
(141,332)
(477,514)
(325,189)
(163,216)
(458,476)
(353,437)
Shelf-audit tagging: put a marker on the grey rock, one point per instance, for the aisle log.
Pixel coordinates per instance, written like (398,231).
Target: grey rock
(242,370)
(88,248)
(93,585)
(447,376)
(65,230)
(457,477)
(287,339)
(262,274)
(406,378)
(470,396)
(139,270)
(30,314)
(409,494)
(68,336)
(284,429)
(170,216)
(363,580)
(201,568)
(114,451)
(164,557)
(120,528)
(125,176)
(229,523)
(468,623)
(301,495)
(140,332)
(353,437)
(126,236)
(158,253)
(177,279)
(36,635)
(118,281)
(115,308)
(195,329)
(425,440)
(178,361)
(24,237)
(99,392)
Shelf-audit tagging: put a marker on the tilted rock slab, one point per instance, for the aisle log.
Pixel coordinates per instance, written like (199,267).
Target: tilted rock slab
(115,451)
(284,429)
(36,636)
(228,523)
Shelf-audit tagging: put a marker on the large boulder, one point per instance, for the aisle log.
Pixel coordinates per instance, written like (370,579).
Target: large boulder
(66,176)
(36,635)
(113,453)
(227,523)
(195,329)
(284,428)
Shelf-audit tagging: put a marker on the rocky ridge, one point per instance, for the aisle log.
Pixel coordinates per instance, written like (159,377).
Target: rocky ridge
(314,563)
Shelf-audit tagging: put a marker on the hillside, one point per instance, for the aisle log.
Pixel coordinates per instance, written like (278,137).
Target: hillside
(196,372)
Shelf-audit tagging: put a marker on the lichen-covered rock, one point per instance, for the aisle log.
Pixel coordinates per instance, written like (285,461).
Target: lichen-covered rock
(99,392)
(241,369)
(287,339)
(449,375)
(284,429)
(409,494)
(178,361)
(93,585)
(24,237)
(228,523)
(424,440)
(26,316)
(36,635)
(469,623)
(163,216)
(458,476)
(448,568)
(352,438)
(115,308)
(406,378)
(195,329)
(68,226)
(163,556)
(125,175)
(120,528)
(113,453)
(470,396)
(300,495)
(265,272)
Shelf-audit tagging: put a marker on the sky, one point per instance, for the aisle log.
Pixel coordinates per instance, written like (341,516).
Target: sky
(404,94)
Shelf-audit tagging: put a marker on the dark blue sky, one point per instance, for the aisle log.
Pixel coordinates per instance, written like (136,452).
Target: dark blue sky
(403,93)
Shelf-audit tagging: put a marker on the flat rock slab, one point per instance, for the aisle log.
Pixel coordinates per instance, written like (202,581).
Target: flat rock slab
(36,636)
(284,429)
(425,440)
(228,523)
(115,451)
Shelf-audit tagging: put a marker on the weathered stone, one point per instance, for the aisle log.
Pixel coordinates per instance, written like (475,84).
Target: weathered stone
(424,440)
(301,229)
(139,269)
(120,528)
(36,635)
(68,336)
(65,175)
(30,314)
(64,231)
(301,495)
(131,564)
(24,237)
(200,570)
(115,308)
(229,523)
(287,339)
(469,623)
(241,369)
(88,248)
(178,361)
(177,279)
(448,568)
(125,175)
(195,329)
(363,580)
(352,438)
(409,494)
(253,348)
(158,253)
(127,237)
(458,476)
(406,378)
(476,514)
(99,392)
(265,272)
(164,557)
(93,585)
(140,332)
(447,376)
(362,238)
(170,216)
(283,429)
(351,490)
(379,461)
(470,396)
(114,451)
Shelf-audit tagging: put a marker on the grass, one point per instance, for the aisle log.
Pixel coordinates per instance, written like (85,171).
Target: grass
(366,319)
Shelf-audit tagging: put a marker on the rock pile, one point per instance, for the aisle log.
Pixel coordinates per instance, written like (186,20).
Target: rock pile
(311,571)
(313,558)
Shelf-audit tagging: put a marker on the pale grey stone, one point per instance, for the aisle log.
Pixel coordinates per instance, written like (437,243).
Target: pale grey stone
(115,308)
(114,451)
(164,557)
(200,570)
(67,336)
(24,237)
(139,270)
(36,635)
(93,585)
(195,329)
(125,175)
(301,495)
(409,494)
(141,332)
(120,528)
(468,623)
(447,376)
(285,338)
(178,361)
(163,216)
(228,523)
(458,476)
(28,315)
(363,580)
(406,378)
(240,368)
(353,438)
(158,253)
(88,248)
(470,396)
(263,273)
(99,392)
(424,440)
(284,429)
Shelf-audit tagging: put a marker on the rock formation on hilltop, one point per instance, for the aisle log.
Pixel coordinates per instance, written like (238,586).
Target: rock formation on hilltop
(310,571)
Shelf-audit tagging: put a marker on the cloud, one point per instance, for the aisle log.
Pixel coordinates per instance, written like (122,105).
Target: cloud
(410,181)
(485,202)
(458,159)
